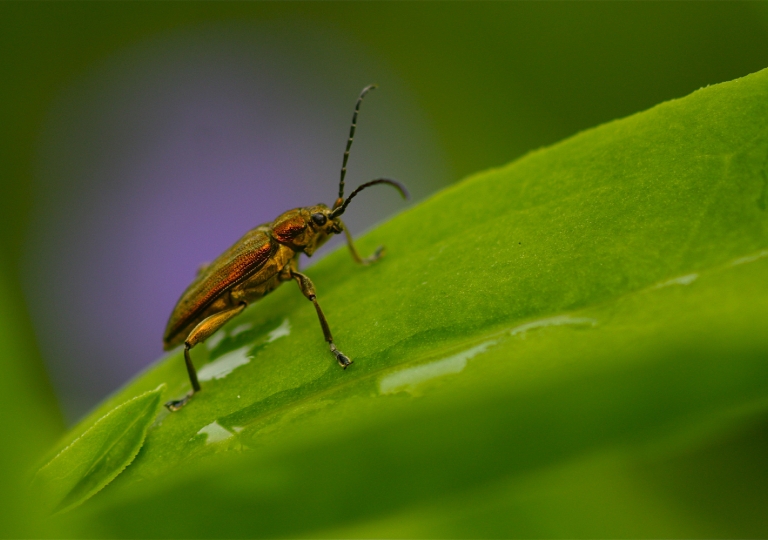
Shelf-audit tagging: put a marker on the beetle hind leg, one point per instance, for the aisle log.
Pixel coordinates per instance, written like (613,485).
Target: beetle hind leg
(200,333)
(175,405)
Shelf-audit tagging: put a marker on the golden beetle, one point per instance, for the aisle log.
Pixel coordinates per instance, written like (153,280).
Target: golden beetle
(260,261)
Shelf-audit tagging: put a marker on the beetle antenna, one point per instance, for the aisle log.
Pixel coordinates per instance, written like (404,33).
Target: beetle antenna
(349,142)
(339,209)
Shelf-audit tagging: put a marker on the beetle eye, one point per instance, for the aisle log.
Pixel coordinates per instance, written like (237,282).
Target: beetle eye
(319,218)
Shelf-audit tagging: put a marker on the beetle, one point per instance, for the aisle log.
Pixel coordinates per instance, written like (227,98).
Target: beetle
(260,261)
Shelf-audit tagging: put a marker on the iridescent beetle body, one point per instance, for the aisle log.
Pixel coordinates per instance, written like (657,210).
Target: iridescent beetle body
(260,261)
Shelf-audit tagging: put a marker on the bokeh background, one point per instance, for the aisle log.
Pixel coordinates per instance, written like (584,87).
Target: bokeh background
(141,139)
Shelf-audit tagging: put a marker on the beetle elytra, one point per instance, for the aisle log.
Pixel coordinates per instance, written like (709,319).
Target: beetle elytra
(262,259)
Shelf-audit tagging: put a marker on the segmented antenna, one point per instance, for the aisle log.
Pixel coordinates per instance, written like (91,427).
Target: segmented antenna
(394,183)
(349,142)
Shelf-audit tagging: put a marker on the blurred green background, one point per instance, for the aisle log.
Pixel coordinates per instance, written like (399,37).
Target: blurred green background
(493,80)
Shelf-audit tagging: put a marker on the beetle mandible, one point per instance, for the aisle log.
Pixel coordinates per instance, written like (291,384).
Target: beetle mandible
(262,259)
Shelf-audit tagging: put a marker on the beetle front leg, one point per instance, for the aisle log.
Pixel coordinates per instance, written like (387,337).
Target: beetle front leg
(205,329)
(378,254)
(308,289)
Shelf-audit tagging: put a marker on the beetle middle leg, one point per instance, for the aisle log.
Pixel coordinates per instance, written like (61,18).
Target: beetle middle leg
(308,289)
(205,329)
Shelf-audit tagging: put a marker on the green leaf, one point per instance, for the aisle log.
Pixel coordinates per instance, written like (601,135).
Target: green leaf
(97,456)
(571,345)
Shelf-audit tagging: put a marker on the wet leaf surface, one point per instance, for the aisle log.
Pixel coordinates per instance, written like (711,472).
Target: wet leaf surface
(571,345)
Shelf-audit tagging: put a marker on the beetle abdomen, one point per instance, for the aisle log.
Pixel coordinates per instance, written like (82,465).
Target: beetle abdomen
(235,265)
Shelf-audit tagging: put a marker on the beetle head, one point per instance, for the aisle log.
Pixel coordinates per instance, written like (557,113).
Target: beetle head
(324,221)
(323,225)
(306,229)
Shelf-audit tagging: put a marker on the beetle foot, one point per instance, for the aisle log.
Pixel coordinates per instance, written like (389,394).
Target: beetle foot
(378,254)
(175,405)
(343,360)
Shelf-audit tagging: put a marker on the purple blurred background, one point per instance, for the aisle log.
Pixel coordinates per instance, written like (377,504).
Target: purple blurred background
(163,155)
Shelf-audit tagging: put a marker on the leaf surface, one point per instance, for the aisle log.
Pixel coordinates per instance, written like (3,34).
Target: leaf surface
(571,345)
(96,457)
